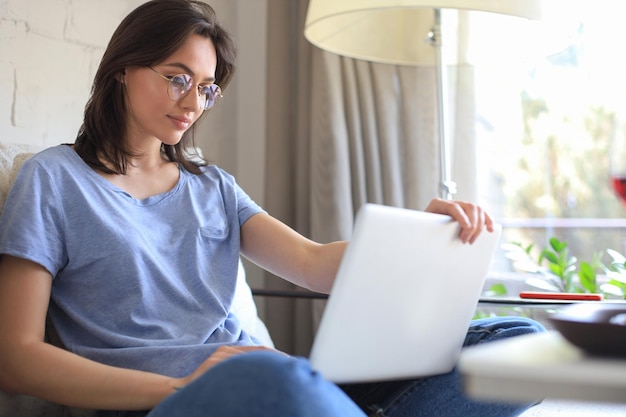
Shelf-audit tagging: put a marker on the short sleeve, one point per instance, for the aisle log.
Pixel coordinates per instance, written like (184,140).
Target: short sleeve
(247,206)
(31,226)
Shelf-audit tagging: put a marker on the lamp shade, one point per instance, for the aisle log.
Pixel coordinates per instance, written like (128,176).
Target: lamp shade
(382,30)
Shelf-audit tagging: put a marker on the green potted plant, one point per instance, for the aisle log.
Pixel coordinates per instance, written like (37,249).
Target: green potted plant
(559,271)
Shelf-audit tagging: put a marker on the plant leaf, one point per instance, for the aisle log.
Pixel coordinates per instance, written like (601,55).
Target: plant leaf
(496,290)
(587,275)
(550,256)
(541,284)
(617,257)
(557,245)
(609,288)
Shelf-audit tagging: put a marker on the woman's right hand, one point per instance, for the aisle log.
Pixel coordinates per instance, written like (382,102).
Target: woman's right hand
(221,354)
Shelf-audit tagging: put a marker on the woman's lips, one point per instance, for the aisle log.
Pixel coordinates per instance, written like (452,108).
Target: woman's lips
(181,123)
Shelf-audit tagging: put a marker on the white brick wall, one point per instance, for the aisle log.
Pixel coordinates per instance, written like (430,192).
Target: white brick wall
(49,52)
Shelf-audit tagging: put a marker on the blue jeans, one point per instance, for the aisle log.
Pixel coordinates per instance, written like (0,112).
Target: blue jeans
(269,384)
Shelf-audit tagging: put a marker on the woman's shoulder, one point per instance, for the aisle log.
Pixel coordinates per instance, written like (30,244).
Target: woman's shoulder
(215,173)
(213,169)
(57,164)
(58,155)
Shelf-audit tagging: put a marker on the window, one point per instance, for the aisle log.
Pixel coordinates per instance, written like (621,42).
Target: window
(545,129)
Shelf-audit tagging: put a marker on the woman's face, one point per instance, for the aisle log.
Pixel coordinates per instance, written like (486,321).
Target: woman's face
(152,113)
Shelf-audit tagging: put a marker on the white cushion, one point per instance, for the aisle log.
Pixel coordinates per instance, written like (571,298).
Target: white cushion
(244,308)
(12,156)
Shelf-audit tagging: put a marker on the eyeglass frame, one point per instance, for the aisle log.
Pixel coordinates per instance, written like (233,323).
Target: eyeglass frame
(170,86)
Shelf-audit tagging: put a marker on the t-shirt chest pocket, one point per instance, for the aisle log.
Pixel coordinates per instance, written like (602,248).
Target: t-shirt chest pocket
(213,232)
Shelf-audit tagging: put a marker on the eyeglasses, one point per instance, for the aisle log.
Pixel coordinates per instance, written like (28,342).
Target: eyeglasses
(180,85)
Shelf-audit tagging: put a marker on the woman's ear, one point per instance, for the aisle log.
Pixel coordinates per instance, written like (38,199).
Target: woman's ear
(120,76)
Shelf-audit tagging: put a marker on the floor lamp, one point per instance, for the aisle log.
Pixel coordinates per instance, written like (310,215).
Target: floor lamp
(393,31)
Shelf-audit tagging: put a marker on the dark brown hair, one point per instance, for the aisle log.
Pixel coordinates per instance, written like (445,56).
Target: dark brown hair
(146,37)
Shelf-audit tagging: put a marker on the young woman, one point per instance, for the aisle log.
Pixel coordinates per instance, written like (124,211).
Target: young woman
(133,249)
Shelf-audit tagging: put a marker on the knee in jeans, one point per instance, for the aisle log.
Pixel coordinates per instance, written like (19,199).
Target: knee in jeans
(485,330)
(525,325)
(269,368)
(520,324)
(270,383)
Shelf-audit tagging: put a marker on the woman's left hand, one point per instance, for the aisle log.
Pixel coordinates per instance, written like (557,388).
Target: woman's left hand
(470,217)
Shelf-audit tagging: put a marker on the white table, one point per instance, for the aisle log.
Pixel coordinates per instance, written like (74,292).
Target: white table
(542,365)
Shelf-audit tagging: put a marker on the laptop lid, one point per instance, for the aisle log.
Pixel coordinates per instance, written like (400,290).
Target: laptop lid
(403,298)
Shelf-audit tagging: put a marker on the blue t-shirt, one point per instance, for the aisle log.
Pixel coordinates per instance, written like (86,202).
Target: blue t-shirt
(142,284)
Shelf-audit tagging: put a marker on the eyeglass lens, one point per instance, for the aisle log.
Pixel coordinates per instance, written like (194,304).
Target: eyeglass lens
(181,84)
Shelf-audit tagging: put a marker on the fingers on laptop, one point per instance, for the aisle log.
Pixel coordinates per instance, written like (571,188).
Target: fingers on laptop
(471,217)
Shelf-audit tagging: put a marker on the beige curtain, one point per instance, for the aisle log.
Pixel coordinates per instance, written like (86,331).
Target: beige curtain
(287,180)
(341,133)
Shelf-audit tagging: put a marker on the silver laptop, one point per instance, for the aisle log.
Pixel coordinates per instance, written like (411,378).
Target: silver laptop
(404,296)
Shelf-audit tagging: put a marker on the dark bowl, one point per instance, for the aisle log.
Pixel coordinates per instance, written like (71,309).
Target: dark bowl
(598,329)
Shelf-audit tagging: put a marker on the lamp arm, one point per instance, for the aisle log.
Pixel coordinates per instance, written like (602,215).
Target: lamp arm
(447,185)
